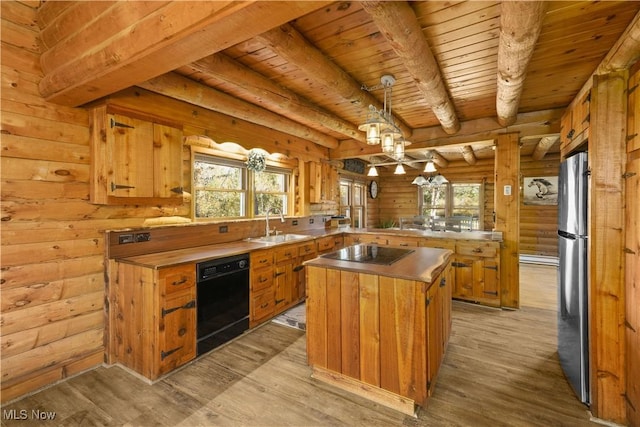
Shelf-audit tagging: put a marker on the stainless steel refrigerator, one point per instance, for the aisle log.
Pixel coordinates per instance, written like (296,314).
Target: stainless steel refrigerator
(573,296)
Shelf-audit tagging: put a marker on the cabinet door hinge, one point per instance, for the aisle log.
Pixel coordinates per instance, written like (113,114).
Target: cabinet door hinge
(177,190)
(628,325)
(297,268)
(165,354)
(427,302)
(120,125)
(632,89)
(443,282)
(190,304)
(630,137)
(629,251)
(628,175)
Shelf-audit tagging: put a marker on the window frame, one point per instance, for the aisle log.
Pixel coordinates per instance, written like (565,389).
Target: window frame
(448,206)
(238,157)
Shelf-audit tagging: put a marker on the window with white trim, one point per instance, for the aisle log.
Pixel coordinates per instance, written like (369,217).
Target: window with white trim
(225,188)
(453,200)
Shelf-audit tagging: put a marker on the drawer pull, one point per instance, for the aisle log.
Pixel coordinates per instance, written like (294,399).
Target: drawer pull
(278,301)
(179,282)
(190,304)
(477,250)
(263,279)
(262,261)
(297,268)
(265,305)
(491,267)
(279,274)
(494,293)
(459,264)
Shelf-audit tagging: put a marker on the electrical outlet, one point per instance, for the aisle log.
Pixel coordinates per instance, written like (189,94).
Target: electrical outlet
(310,220)
(223,229)
(143,237)
(125,238)
(294,222)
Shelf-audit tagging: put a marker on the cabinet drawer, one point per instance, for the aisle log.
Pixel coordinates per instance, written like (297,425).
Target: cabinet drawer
(261,278)
(477,249)
(176,279)
(325,244)
(262,304)
(286,253)
(306,249)
(402,241)
(438,244)
(261,259)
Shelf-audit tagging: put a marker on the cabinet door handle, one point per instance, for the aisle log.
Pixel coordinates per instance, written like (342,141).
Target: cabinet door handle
(265,305)
(164,354)
(190,304)
(115,186)
(278,301)
(263,279)
(179,282)
(278,274)
(297,268)
(443,282)
(491,267)
(427,302)
(262,261)
(177,190)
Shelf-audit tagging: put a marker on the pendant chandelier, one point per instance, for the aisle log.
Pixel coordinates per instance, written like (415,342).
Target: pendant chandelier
(380,128)
(431,180)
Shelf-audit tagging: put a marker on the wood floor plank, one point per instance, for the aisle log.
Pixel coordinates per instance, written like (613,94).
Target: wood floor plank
(501,369)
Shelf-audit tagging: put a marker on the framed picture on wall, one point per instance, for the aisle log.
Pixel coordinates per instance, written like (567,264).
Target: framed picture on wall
(540,190)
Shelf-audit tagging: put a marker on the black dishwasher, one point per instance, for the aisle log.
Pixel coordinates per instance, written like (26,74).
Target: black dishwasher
(223,300)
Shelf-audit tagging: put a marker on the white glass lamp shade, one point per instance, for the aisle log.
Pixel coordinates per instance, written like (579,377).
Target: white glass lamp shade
(439,180)
(399,169)
(373,134)
(430,167)
(420,180)
(372,171)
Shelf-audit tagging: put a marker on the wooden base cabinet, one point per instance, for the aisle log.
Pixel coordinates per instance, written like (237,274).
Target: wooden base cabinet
(154,318)
(262,290)
(477,272)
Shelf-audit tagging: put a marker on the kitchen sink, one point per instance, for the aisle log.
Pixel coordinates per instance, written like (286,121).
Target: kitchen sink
(280,238)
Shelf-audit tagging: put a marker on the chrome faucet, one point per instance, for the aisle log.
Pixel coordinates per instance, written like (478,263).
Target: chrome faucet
(274,210)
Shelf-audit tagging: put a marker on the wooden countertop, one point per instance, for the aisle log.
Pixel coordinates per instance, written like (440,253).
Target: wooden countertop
(202,253)
(423,264)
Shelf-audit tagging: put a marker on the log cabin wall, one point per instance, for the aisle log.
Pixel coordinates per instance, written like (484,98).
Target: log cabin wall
(399,198)
(53,244)
(539,223)
(538,226)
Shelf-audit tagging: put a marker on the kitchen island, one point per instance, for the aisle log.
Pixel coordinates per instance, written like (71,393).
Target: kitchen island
(378,321)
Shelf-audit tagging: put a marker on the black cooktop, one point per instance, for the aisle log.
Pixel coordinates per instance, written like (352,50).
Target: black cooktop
(369,254)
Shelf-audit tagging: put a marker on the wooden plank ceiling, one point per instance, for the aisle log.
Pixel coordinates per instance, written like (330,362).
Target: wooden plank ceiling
(461,68)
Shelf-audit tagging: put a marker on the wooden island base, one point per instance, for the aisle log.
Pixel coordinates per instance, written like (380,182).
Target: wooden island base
(380,331)
(375,394)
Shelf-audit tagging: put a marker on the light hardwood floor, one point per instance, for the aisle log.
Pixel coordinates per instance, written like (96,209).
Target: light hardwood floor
(501,369)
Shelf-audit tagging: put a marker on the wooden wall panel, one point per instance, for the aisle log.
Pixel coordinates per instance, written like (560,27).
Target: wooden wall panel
(539,223)
(607,157)
(632,253)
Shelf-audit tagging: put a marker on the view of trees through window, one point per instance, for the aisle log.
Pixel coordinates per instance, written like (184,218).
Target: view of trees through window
(453,199)
(222,189)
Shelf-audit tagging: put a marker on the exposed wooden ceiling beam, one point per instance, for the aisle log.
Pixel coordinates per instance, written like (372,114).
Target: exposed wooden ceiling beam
(438,159)
(520,25)
(288,43)
(625,52)
(399,25)
(176,34)
(468,155)
(261,89)
(184,89)
(543,146)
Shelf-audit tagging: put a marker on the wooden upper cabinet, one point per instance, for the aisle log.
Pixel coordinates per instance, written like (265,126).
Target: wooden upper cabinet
(323,182)
(134,160)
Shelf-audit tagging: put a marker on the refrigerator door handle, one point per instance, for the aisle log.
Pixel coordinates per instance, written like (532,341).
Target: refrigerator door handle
(567,235)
